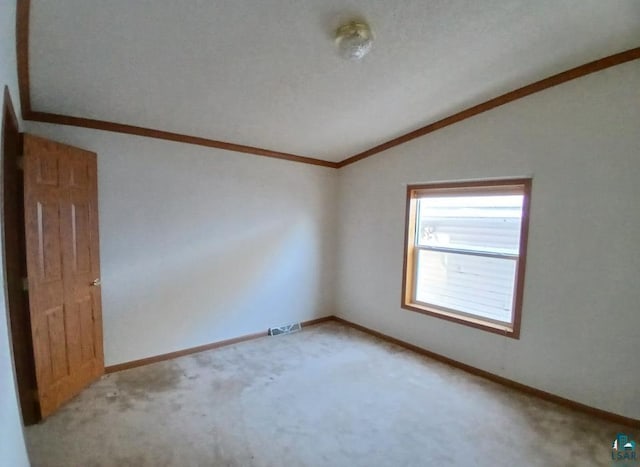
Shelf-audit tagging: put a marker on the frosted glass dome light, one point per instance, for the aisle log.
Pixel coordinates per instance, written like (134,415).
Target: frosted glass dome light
(354,40)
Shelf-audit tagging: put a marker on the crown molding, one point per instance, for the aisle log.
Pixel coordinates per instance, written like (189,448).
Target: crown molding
(22,44)
(169,136)
(568,75)
(28,113)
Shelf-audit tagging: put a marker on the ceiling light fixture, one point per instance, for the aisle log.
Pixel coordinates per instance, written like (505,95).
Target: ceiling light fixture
(354,40)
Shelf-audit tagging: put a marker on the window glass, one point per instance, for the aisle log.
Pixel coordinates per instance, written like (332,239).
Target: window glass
(484,223)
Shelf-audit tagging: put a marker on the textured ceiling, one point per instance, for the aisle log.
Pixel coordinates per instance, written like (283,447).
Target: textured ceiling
(265,72)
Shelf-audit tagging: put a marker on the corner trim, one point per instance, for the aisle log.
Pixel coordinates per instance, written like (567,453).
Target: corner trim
(201,348)
(546,83)
(568,403)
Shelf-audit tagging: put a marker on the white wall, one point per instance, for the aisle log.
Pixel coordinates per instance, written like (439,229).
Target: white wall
(581,322)
(200,245)
(12,448)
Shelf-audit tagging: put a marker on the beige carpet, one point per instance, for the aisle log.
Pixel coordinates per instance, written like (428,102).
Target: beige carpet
(328,396)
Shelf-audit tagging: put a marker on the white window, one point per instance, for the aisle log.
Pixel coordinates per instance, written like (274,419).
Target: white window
(465,252)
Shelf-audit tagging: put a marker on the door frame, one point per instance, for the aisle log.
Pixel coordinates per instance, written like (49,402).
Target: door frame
(15,263)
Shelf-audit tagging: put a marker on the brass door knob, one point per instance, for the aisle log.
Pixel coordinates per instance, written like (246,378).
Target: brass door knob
(96,282)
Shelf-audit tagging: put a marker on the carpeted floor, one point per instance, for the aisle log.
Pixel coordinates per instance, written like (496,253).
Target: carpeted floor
(328,396)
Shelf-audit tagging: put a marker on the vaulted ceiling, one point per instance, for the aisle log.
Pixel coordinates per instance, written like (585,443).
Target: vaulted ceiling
(266,73)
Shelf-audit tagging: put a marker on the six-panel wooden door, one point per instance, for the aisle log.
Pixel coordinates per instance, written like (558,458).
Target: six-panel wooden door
(61,216)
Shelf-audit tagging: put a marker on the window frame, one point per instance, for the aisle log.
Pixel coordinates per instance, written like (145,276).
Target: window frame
(501,186)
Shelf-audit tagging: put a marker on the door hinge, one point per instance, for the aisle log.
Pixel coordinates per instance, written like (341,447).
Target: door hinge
(25,284)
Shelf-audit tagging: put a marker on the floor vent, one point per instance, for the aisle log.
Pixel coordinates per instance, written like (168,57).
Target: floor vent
(286,329)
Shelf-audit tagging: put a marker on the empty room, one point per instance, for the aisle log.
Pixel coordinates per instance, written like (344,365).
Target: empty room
(341,233)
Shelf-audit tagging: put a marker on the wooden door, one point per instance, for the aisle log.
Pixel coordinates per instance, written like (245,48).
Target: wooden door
(61,222)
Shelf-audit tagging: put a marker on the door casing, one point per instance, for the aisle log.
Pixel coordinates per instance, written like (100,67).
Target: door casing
(15,264)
